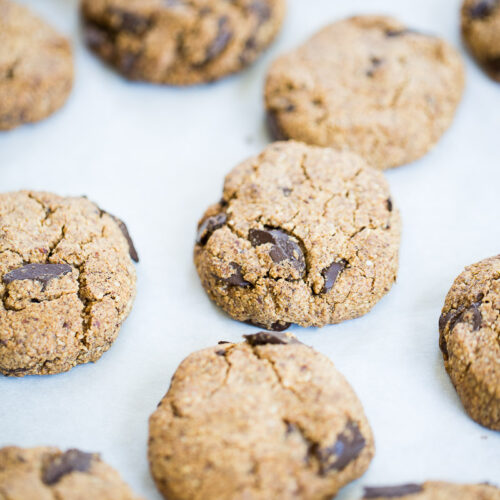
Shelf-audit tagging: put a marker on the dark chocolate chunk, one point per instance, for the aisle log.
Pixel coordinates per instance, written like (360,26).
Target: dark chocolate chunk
(220,42)
(70,461)
(482,9)
(131,248)
(261,10)
(223,342)
(273,125)
(283,247)
(42,273)
(221,352)
(209,226)
(130,21)
(350,442)
(493,67)
(331,274)
(236,279)
(278,326)
(392,491)
(389,204)
(264,338)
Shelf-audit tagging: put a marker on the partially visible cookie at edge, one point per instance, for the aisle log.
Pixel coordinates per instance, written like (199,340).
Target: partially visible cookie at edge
(180,42)
(36,67)
(469,329)
(265,418)
(67,282)
(481,32)
(302,235)
(434,490)
(368,84)
(46,473)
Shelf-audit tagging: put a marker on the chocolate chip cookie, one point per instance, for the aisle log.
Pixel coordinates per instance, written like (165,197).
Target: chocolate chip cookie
(180,42)
(265,418)
(434,490)
(36,67)
(48,473)
(302,235)
(368,84)
(67,282)
(481,32)
(469,329)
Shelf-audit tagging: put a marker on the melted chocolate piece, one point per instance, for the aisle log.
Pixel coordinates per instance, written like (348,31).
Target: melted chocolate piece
(482,9)
(283,247)
(220,42)
(131,248)
(42,273)
(331,274)
(261,9)
(265,338)
(59,466)
(350,442)
(392,491)
(278,326)
(130,21)
(209,226)
(236,279)
(389,204)
(275,130)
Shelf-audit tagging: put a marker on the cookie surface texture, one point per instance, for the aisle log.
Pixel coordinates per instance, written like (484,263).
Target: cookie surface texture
(481,32)
(36,67)
(302,235)
(67,282)
(266,418)
(47,473)
(180,42)
(367,84)
(469,329)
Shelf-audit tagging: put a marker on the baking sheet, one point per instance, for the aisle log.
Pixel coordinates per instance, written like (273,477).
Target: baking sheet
(156,157)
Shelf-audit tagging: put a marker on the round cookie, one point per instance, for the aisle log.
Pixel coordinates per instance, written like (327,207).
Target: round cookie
(302,235)
(481,31)
(48,473)
(367,84)
(180,42)
(266,418)
(434,490)
(36,67)
(67,282)
(469,329)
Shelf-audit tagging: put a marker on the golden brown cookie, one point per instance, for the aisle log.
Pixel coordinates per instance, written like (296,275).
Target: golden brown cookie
(302,235)
(48,474)
(67,282)
(180,42)
(469,329)
(434,490)
(266,418)
(481,31)
(368,84)
(36,67)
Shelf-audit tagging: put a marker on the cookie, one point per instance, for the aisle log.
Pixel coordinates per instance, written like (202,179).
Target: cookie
(302,235)
(36,67)
(481,32)
(368,84)
(48,473)
(67,282)
(469,339)
(180,42)
(433,490)
(265,418)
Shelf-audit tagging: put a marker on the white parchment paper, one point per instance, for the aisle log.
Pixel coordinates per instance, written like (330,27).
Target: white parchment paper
(157,156)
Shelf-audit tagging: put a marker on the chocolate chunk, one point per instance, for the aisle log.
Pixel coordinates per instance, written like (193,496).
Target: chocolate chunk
(331,274)
(221,352)
(493,67)
(482,9)
(209,226)
(278,326)
(264,338)
(236,279)
(350,442)
(130,21)
(396,33)
(273,125)
(223,342)
(131,248)
(222,39)
(283,247)
(261,10)
(389,204)
(42,273)
(70,461)
(393,491)
(376,62)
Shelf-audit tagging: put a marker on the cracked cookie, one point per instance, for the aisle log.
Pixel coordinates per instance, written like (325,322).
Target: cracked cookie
(302,235)
(469,329)
(67,282)
(180,42)
(368,84)
(36,67)
(265,418)
(434,490)
(48,473)
(481,32)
